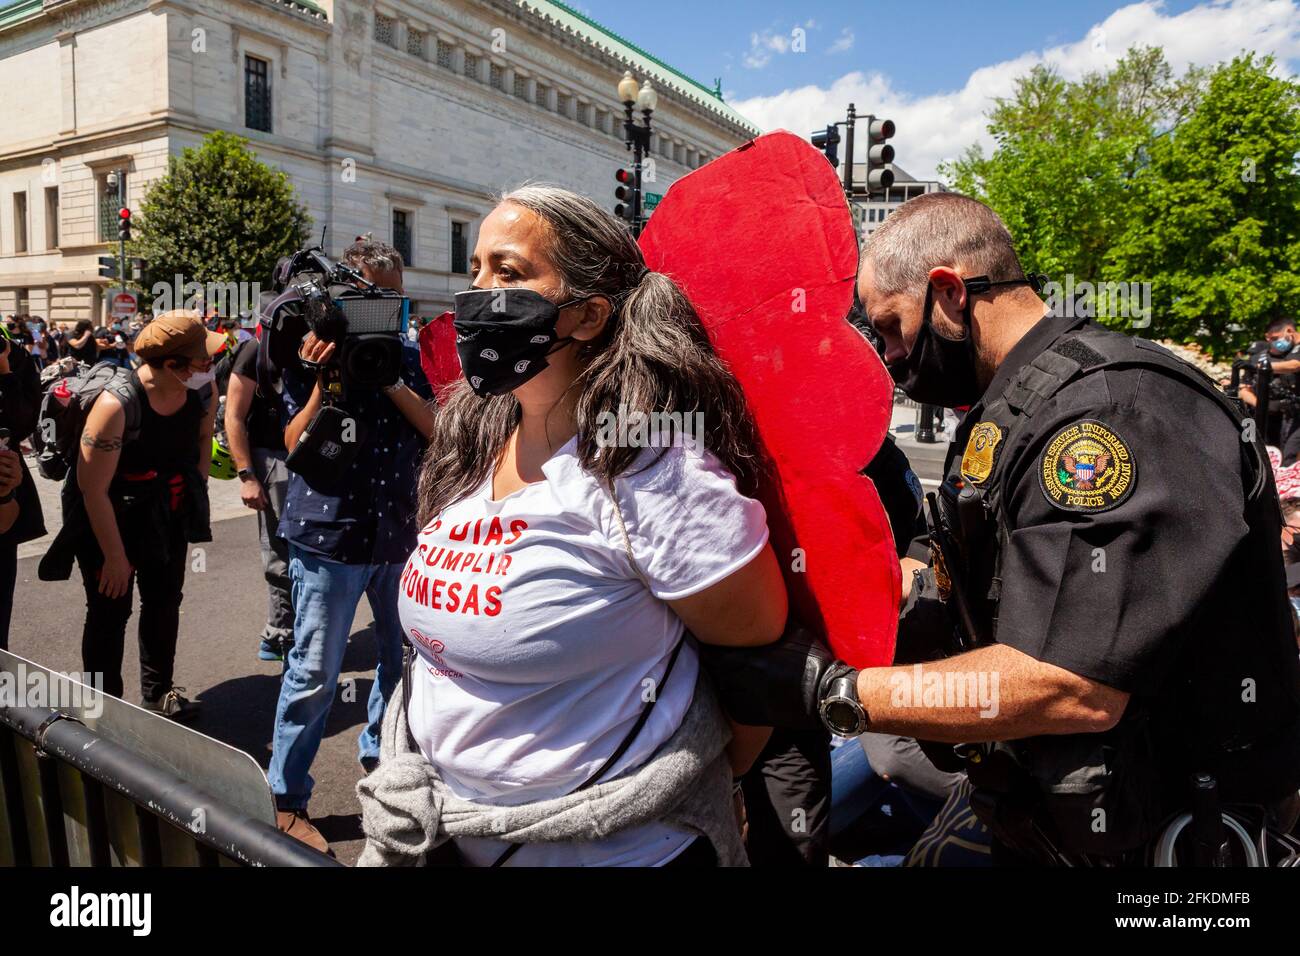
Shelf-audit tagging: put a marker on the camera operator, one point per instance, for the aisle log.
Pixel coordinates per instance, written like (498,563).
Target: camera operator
(1279,345)
(344,541)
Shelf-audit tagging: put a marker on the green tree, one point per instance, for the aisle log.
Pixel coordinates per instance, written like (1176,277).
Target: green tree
(1066,156)
(1218,234)
(219,215)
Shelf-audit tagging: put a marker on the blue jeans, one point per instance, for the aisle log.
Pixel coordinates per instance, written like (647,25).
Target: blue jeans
(325,597)
(873,820)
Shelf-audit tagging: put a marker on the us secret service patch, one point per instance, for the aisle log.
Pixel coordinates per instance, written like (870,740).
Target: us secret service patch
(1087,467)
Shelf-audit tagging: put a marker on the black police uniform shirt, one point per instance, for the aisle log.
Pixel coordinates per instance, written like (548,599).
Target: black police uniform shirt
(1124,561)
(1101,590)
(1259,349)
(900,492)
(1282,424)
(372,521)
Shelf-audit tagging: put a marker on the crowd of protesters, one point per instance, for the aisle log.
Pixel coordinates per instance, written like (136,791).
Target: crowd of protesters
(555,703)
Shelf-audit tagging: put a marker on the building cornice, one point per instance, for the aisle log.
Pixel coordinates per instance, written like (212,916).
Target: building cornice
(539,62)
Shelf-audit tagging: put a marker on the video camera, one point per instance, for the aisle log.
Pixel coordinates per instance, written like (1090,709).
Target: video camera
(339,305)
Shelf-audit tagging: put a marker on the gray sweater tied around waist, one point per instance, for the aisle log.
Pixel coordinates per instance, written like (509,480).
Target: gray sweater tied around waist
(407,810)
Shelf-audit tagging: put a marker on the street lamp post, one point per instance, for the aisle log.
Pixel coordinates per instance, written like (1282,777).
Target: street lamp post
(637,138)
(117,179)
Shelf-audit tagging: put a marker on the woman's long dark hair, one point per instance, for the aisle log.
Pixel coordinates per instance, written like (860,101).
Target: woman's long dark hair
(653,356)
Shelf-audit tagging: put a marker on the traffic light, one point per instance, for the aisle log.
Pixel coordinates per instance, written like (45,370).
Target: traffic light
(623,193)
(124,224)
(829,143)
(879,155)
(108,267)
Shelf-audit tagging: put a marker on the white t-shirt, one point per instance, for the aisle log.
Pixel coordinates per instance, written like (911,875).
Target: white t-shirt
(538,640)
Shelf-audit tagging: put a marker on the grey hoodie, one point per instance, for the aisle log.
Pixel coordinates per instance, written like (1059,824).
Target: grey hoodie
(407,810)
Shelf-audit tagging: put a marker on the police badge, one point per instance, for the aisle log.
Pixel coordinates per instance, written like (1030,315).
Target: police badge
(981,448)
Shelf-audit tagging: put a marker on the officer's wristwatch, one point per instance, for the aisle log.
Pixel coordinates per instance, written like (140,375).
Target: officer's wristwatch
(840,709)
(245,474)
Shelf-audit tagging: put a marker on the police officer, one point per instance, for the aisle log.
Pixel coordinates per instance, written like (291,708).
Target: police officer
(1279,344)
(1106,550)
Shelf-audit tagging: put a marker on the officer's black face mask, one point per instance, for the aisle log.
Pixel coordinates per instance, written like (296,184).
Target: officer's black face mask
(504,335)
(939,370)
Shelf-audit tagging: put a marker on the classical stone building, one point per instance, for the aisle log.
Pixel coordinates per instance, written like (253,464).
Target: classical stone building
(399,117)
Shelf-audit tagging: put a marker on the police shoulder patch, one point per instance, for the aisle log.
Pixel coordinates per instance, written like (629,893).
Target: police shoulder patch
(1087,467)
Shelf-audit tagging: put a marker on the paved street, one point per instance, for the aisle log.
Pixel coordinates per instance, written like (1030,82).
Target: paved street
(216,659)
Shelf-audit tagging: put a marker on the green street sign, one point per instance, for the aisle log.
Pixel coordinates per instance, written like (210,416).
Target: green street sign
(652,200)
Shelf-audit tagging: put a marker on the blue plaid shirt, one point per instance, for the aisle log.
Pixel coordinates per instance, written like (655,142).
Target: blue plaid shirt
(373,521)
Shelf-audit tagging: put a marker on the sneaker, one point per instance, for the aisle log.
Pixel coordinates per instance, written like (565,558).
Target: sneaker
(271,650)
(173,705)
(298,825)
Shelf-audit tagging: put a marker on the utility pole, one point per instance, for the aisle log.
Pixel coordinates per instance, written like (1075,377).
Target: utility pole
(121,234)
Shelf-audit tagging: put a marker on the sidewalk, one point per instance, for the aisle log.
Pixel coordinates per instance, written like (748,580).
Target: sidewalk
(926,459)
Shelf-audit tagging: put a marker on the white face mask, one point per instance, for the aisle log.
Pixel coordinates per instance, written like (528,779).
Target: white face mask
(412,333)
(199,379)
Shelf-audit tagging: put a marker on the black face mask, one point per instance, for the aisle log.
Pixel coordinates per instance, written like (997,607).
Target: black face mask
(939,370)
(504,335)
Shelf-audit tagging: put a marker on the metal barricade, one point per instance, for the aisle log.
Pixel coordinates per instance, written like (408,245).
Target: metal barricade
(87,779)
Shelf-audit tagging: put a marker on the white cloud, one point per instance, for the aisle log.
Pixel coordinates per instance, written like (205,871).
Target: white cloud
(762,46)
(940,126)
(843,43)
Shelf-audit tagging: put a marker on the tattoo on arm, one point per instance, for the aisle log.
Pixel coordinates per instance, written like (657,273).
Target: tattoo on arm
(101,444)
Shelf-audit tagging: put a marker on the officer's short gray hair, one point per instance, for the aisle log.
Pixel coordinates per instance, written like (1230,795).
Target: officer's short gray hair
(378,255)
(939,229)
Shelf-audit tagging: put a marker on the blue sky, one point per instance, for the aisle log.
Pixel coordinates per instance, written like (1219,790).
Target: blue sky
(933,66)
(937,47)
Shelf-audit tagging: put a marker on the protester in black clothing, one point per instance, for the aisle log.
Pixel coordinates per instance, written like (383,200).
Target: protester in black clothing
(141,496)
(21,518)
(81,343)
(56,343)
(257,444)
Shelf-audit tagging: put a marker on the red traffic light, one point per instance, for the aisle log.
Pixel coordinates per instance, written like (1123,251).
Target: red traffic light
(624,176)
(124,213)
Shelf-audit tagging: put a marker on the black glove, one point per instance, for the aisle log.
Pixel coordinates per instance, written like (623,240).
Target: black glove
(777,685)
(925,624)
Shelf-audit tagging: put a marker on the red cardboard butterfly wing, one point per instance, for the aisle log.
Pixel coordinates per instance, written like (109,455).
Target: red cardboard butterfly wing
(762,242)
